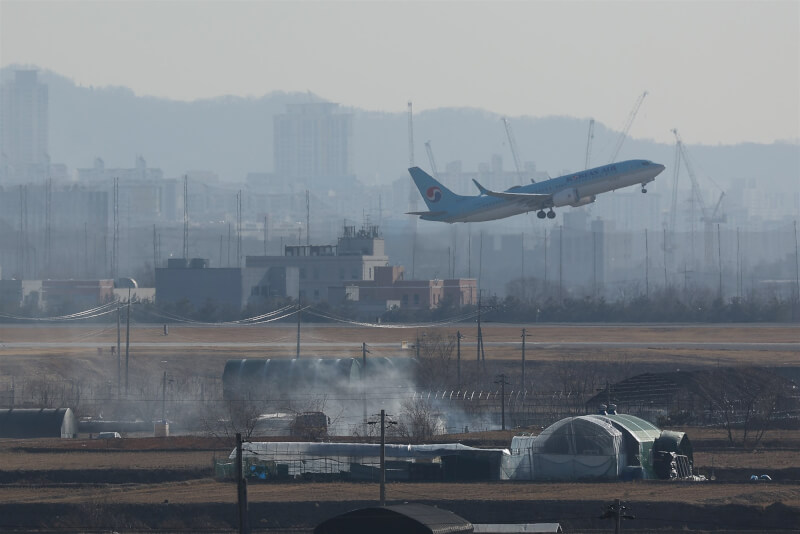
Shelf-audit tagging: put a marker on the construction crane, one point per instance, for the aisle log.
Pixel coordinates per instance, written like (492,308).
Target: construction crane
(512,143)
(589,139)
(431,160)
(676,166)
(708,216)
(624,134)
(410,135)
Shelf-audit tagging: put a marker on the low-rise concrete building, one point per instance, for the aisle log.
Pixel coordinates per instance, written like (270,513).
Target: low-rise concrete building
(354,258)
(389,289)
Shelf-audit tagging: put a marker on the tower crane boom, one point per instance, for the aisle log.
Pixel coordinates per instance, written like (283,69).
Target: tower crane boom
(589,139)
(512,143)
(624,134)
(431,159)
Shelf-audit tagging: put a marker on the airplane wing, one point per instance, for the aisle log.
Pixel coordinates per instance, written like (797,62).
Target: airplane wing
(533,201)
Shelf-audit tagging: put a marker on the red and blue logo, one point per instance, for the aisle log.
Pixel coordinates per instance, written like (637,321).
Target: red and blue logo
(434,194)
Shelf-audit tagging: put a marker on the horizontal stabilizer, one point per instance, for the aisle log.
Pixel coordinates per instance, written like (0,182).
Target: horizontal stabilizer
(431,213)
(534,201)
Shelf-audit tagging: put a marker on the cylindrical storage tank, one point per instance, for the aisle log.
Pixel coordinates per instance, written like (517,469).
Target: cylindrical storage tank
(271,378)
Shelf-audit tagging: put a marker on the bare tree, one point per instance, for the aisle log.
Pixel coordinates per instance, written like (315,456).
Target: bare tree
(745,402)
(436,356)
(419,421)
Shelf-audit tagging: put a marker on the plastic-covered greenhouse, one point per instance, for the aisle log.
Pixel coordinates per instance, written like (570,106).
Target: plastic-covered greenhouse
(570,449)
(361,461)
(604,446)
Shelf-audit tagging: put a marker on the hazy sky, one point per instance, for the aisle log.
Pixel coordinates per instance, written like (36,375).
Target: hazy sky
(721,72)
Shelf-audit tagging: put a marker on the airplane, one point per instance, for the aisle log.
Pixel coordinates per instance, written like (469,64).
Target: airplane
(576,189)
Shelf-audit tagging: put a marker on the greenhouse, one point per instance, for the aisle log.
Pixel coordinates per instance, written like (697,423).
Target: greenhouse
(361,461)
(602,446)
(570,449)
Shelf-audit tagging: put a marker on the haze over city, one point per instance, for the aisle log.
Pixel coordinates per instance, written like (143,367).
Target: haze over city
(724,72)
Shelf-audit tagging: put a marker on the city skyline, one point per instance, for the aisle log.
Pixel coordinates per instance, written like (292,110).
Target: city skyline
(723,72)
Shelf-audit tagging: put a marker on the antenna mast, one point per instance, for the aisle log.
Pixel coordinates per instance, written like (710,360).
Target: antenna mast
(308,221)
(186,216)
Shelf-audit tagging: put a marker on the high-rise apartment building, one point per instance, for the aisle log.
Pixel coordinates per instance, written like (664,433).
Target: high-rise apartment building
(312,142)
(24,126)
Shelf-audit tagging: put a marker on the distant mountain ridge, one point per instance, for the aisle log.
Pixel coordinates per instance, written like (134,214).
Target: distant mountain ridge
(232,136)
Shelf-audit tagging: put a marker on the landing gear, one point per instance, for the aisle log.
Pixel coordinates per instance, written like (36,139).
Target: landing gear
(644,189)
(541,214)
(551,214)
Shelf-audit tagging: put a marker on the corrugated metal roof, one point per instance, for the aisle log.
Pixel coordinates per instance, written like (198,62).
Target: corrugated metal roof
(641,430)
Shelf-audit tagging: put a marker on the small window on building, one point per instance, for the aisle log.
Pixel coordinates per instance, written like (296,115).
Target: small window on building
(355,275)
(405,300)
(416,300)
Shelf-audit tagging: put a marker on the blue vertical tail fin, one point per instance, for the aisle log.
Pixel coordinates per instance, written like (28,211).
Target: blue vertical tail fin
(436,196)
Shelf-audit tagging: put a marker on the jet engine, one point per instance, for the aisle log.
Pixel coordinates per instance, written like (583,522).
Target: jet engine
(570,197)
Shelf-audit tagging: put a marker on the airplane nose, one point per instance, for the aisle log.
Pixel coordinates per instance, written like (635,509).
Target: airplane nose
(660,167)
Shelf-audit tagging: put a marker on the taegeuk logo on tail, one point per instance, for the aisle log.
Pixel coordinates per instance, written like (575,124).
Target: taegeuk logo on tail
(434,194)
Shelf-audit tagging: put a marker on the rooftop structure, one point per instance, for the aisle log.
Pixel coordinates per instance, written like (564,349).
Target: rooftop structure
(354,258)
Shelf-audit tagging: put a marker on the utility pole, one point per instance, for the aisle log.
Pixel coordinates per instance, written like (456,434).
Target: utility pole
(503,382)
(186,216)
(616,511)
(119,352)
(738,266)
(458,358)
(164,398)
(308,221)
(719,256)
(796,268)
(664,241)
(127,340)
(297,354)
(241,488)
(383,459)
(522,262)
(480,260)
(155,248)
(561,263)
(265,235)
(479,346)
(646,266)
(382,476)
(545,260)
(364,352)
(524,335)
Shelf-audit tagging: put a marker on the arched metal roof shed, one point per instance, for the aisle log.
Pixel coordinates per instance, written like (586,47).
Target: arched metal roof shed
(38,423)
(399,519)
